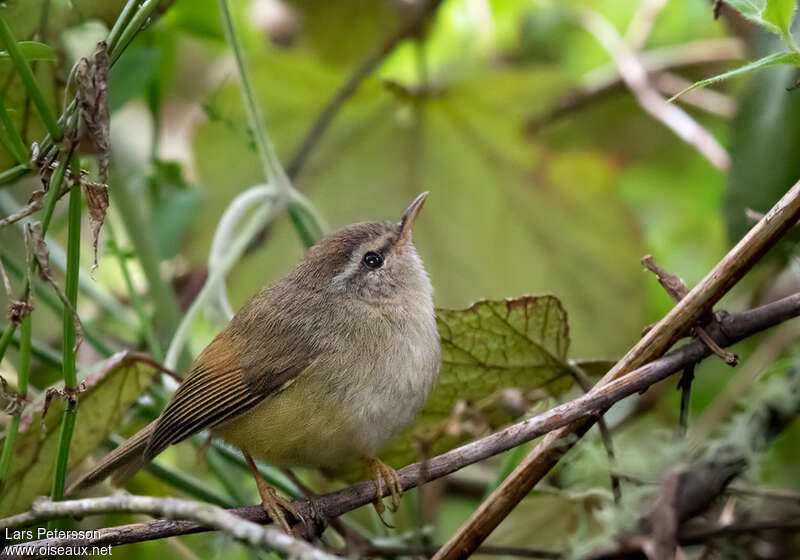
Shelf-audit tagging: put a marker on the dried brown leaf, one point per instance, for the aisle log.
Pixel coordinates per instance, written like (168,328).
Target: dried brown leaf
(97,201)
(37,249)
(34,204)
(11,401)
(92,81)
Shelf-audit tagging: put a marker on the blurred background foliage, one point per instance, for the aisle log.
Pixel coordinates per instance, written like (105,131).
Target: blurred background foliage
(520,203)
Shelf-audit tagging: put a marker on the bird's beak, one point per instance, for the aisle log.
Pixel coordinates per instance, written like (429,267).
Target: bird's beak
(407,220)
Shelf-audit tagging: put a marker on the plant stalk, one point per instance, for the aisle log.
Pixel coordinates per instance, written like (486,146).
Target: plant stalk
(23,374)
(135,25)
(308,225)
(69,338)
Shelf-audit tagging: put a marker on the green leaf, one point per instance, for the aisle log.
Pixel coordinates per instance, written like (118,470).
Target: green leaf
(520,343)
(780,13)
(33,50)
(107,397)
(773,15)
(769,60)
(751,9)
(493,344)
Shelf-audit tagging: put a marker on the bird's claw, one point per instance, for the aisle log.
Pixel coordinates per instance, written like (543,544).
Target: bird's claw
(385,478)
(277,506)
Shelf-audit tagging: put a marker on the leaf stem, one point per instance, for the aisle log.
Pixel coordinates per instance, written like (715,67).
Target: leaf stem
(121,24)
(130,30)
(260,218)
(22,387)
(266,151)
(309,226)
(69,338)
(29,80)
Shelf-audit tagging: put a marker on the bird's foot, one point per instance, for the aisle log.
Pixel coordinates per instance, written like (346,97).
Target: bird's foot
(274,505)
(385,478)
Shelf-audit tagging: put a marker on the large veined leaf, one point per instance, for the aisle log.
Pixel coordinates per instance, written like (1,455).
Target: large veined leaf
(108,396)
(493,344)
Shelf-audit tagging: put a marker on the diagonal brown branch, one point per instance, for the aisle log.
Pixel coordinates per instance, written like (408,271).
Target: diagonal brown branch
(699,301)
(729,330)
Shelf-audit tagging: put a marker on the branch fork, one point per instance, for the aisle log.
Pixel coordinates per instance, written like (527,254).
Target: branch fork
(677,290)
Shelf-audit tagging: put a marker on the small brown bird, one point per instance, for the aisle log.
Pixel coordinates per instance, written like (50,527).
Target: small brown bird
(320,369)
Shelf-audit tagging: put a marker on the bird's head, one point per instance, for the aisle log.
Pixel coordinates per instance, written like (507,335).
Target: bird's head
(371,261)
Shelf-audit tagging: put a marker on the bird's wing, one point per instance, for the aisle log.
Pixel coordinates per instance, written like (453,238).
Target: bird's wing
(227,379)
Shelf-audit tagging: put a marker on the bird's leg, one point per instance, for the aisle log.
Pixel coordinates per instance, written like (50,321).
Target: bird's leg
(275,505)
(385,477)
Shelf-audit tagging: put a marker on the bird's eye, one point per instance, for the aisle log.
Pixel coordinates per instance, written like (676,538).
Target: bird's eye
(372,259)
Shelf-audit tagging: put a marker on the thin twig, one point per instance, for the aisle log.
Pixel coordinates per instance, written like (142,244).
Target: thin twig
(731,329)
(270,538)
(635,77)
(35,204)
(605,80)
(677,290)
(685,387)
(706,99)
(686,313)
(642,23)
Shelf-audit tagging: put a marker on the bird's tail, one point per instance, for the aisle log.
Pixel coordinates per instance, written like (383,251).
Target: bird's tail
(123,462)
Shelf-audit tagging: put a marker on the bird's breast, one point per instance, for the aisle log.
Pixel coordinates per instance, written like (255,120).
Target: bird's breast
(385,387)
